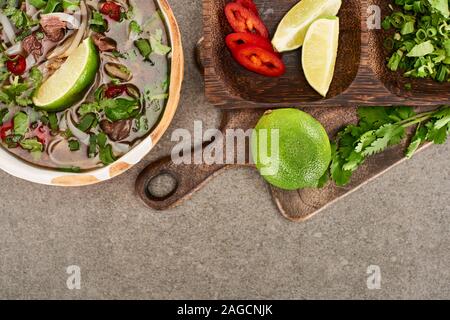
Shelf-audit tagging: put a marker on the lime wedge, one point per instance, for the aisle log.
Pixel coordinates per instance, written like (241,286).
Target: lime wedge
(320,52)
(292,29)
(68,83)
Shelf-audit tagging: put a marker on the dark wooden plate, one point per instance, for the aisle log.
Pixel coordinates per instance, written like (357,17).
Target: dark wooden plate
(361,76)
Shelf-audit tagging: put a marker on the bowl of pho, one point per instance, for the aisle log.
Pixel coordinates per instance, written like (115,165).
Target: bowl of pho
(87,88)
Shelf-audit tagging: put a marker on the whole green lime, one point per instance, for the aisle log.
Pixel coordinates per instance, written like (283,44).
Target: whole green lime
(291,149)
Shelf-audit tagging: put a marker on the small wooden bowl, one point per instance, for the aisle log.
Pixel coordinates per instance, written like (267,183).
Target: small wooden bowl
(24,170)
(423,90)
(292,87)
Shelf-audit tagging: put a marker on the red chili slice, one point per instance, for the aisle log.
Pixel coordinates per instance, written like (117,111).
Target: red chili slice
(16,64)
(261,61)
(114,91)
(248,4)
(235,40)
(243,20)
(111,9)
(4,129)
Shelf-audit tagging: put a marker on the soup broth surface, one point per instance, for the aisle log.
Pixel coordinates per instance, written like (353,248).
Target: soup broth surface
(116,108)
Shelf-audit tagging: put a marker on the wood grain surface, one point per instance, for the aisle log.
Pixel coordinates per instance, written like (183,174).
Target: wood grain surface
(294,205)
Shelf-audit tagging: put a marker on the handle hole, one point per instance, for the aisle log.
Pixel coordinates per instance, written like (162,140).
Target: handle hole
(161,186)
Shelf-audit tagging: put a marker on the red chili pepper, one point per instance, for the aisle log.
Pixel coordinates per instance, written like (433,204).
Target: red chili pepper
(235,40)
(42,133)
(248,4)
(260,61)
(16,64)
(4,129)
(111,9)
(243,20)
(113,91)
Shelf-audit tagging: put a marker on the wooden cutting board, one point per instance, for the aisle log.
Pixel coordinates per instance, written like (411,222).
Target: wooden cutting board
(293,205)
(361,78)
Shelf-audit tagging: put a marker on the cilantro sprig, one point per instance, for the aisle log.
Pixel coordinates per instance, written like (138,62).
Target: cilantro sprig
(380,128)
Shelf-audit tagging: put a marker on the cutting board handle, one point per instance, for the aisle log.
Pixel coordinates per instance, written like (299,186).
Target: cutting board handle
(189,178)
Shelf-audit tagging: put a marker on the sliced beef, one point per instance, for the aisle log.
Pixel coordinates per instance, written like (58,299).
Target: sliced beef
(104,43)
(31,45)
(53,28)
(118,130)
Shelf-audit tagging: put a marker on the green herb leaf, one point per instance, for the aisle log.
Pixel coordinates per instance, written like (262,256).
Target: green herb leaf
(71,5)
(135,27)
(106,155)
(97,23)
(421,49)
(32,145)
(144,47)
(86,108)
(70,169)
(380,128)
(38,4)
(74,145)
(416,141)
(21,123)
(87,122)
(156,42)
(102,139)
(3,113)
(53,121)
(53,6)
(120,109)
(340,176)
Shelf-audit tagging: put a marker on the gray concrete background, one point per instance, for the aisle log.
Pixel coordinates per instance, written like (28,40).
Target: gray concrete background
(228,241)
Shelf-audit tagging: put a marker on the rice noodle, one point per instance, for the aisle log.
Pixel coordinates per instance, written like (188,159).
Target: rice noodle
(15,49)
(80,135)
(80,33)
(30,62)
(66,159)
(122,3)
(33,115)
(120,148)
(12,110)
(51,148)
(30,10)
(92,3)
(63,124)
(61,48)
(8,28)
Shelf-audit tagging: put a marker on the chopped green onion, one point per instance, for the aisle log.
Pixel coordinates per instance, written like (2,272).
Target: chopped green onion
(53,120)
(74,145)
(87,122)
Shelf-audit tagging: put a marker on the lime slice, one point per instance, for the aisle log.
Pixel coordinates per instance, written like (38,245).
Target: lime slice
(68,83)
(291,149)
(292,29)
(320,52)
